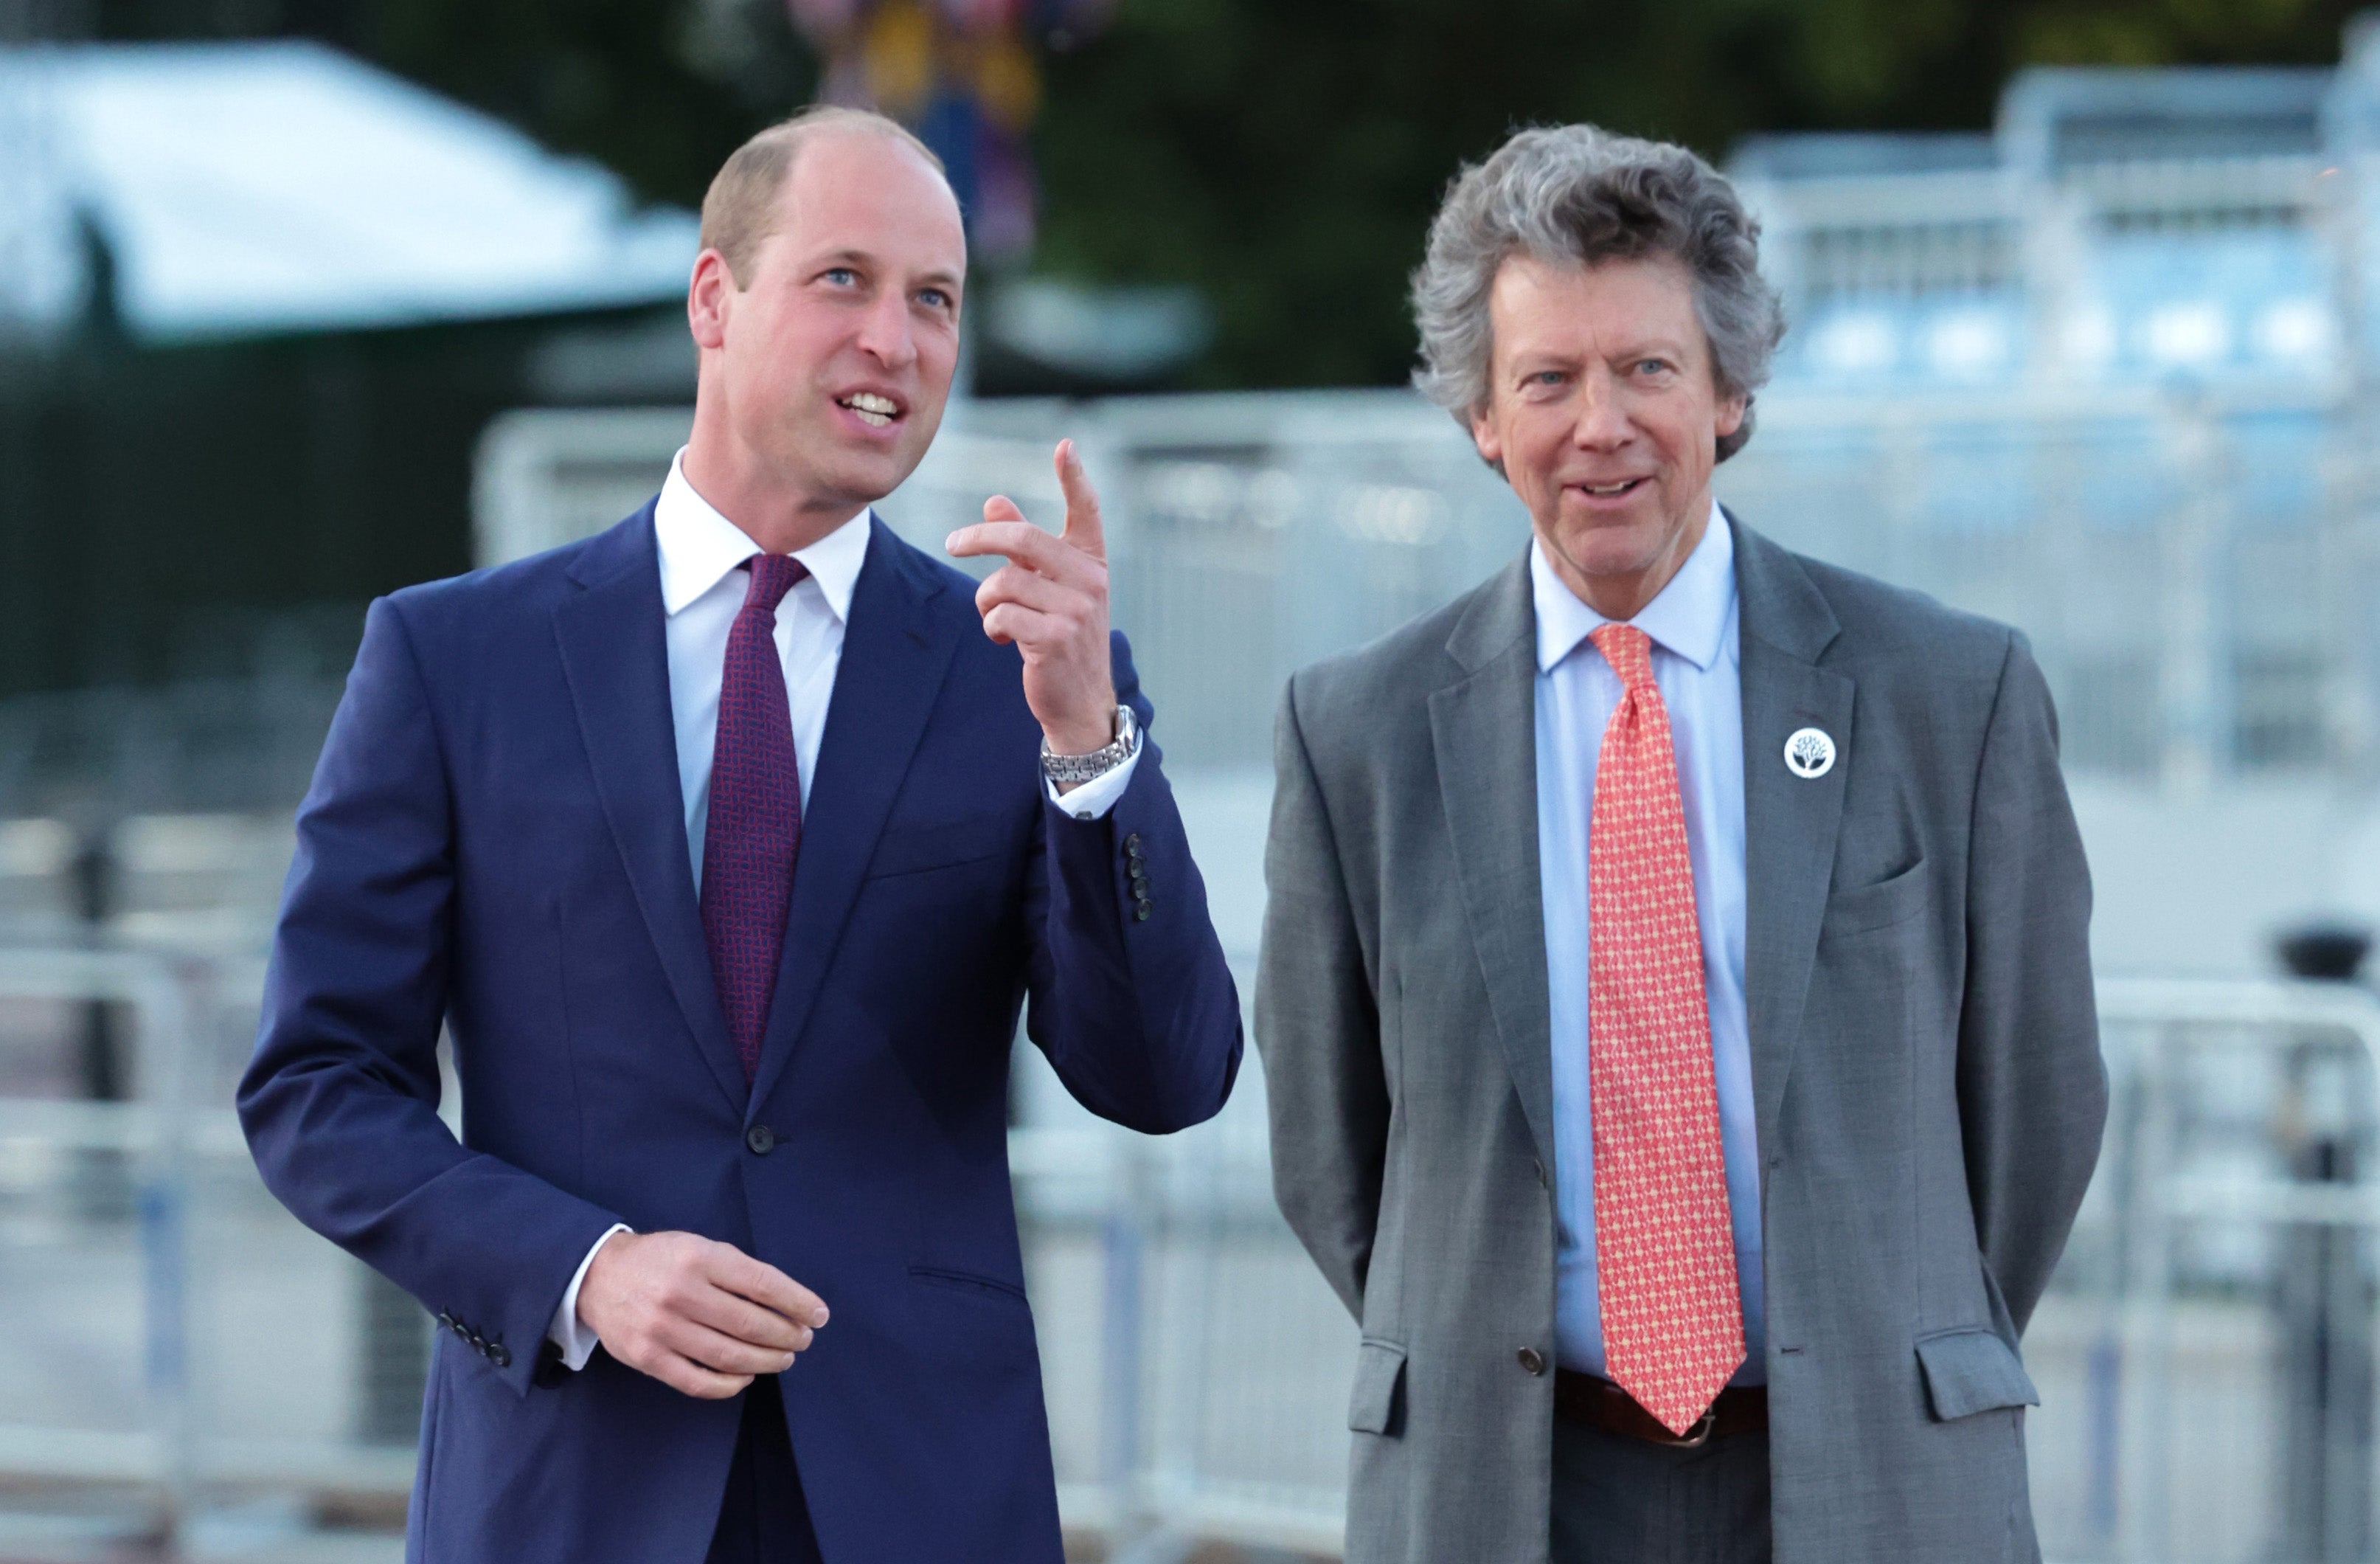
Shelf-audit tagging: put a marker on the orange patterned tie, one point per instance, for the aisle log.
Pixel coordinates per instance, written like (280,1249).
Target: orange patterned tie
(1664,1251)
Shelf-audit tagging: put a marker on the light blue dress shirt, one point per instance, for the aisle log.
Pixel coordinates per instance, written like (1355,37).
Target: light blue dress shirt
(1698,663)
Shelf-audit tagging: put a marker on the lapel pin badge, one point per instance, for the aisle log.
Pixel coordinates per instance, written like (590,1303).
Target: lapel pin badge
(1809,754)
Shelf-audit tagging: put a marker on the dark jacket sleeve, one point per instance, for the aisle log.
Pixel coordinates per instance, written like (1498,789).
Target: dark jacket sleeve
(1130,996)
(1319,1028)
(2033,1093)
(340,1103)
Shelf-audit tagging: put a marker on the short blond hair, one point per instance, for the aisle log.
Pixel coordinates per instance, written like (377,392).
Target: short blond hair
(740,209)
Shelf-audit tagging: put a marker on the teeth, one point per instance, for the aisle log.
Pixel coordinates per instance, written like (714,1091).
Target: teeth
(1620,487)
(872,409)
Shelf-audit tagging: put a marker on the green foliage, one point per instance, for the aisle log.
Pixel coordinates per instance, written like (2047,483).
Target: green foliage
(1286,157)
(1282,155)
(660,92)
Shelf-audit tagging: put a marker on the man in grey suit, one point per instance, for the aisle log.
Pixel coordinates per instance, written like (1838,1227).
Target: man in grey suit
(1675,999)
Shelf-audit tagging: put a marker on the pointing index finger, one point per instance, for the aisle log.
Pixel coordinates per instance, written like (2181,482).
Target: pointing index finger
(1084,529)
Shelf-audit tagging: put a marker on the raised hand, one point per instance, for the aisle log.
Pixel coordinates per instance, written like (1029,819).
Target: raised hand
(701,1316)
(1050,599)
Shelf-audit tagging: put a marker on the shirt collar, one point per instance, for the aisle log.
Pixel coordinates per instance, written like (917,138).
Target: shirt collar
(1688,616)
(700,546)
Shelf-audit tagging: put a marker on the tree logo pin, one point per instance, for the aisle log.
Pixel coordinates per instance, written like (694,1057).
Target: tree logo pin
(1809,754)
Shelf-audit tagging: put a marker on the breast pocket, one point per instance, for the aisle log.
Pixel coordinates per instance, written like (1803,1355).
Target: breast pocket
(916,849)
(1879,906)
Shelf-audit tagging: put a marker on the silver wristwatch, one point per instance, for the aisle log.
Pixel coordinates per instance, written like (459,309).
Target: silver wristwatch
(1098,763)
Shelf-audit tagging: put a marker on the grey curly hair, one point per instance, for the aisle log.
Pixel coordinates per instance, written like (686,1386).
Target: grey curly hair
(1577,193)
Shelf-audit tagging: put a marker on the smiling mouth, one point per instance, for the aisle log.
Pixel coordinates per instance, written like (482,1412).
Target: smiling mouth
(1610,491)
(877,412)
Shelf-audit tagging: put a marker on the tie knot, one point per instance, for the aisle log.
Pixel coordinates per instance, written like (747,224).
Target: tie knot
(773,575)
(1628,650)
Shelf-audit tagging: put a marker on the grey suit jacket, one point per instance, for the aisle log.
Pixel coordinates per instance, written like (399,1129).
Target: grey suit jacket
(1924,1058)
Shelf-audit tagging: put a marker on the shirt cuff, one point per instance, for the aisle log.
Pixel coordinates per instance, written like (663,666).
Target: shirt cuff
(579,1343)
(1095,798)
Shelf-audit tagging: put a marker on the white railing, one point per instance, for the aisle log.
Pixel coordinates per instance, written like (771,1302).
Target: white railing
(2206,1359)
(163,1324)
(2199,571)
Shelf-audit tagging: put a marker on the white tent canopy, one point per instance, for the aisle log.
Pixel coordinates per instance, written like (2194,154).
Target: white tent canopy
(273,187)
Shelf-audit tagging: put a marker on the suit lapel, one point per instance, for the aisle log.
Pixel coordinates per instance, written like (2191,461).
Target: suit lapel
(1790,823)
(1491,813)
(896,648)
(615,655)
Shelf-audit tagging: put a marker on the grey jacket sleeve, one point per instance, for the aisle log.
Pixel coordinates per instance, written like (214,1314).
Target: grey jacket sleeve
(2033,1093)
(1317,1028)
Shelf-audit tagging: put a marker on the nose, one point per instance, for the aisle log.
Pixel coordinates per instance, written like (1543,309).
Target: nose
(884,334)
(1603,424)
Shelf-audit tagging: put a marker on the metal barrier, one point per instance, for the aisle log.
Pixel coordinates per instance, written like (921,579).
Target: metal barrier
(99,1152)
(2206,1353)
(2196,566)
(2205,1357)
(170,1333)
(1196,1366)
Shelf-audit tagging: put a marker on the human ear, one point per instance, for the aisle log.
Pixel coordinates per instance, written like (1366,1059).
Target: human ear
(1487,438)
(706,299)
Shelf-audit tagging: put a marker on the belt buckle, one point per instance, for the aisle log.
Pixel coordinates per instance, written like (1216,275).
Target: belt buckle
(1700,1434)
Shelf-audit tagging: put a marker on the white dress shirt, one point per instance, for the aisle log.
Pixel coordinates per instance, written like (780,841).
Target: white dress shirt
(703,588)
(1698,663)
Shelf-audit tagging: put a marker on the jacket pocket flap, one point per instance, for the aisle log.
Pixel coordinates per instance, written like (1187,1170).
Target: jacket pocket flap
(1973,1371)
(1380,1370)
(1879,906)
(909,848)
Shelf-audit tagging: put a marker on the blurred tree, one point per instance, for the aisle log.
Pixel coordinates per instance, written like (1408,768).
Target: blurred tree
(1286,158)
(1282,155)
(661,91)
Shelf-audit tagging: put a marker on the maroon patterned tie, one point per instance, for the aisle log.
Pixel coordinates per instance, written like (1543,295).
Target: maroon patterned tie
(756,811)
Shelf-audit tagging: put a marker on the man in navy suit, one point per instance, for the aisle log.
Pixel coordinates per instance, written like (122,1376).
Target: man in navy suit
(727,845)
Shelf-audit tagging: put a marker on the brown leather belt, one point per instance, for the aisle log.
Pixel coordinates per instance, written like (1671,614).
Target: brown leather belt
(1599,1403)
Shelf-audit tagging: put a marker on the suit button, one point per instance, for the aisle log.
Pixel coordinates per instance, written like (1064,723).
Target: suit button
(1131,845)
(1532,1359)
(761,1139)
(500,1356)
(1140,913)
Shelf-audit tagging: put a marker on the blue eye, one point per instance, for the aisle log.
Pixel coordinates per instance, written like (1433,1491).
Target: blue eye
(935,297)
(841,275)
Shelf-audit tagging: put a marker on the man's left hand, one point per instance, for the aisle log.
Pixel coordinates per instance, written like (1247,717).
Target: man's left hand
(1051,600)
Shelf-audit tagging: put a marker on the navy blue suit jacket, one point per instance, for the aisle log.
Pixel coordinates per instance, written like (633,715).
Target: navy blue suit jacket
(494,840)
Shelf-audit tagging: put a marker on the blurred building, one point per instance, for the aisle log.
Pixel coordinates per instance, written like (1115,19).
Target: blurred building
(256,302)
(2103,373)
(2109,359)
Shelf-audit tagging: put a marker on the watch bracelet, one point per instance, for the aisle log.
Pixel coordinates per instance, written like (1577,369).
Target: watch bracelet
(1097,763)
